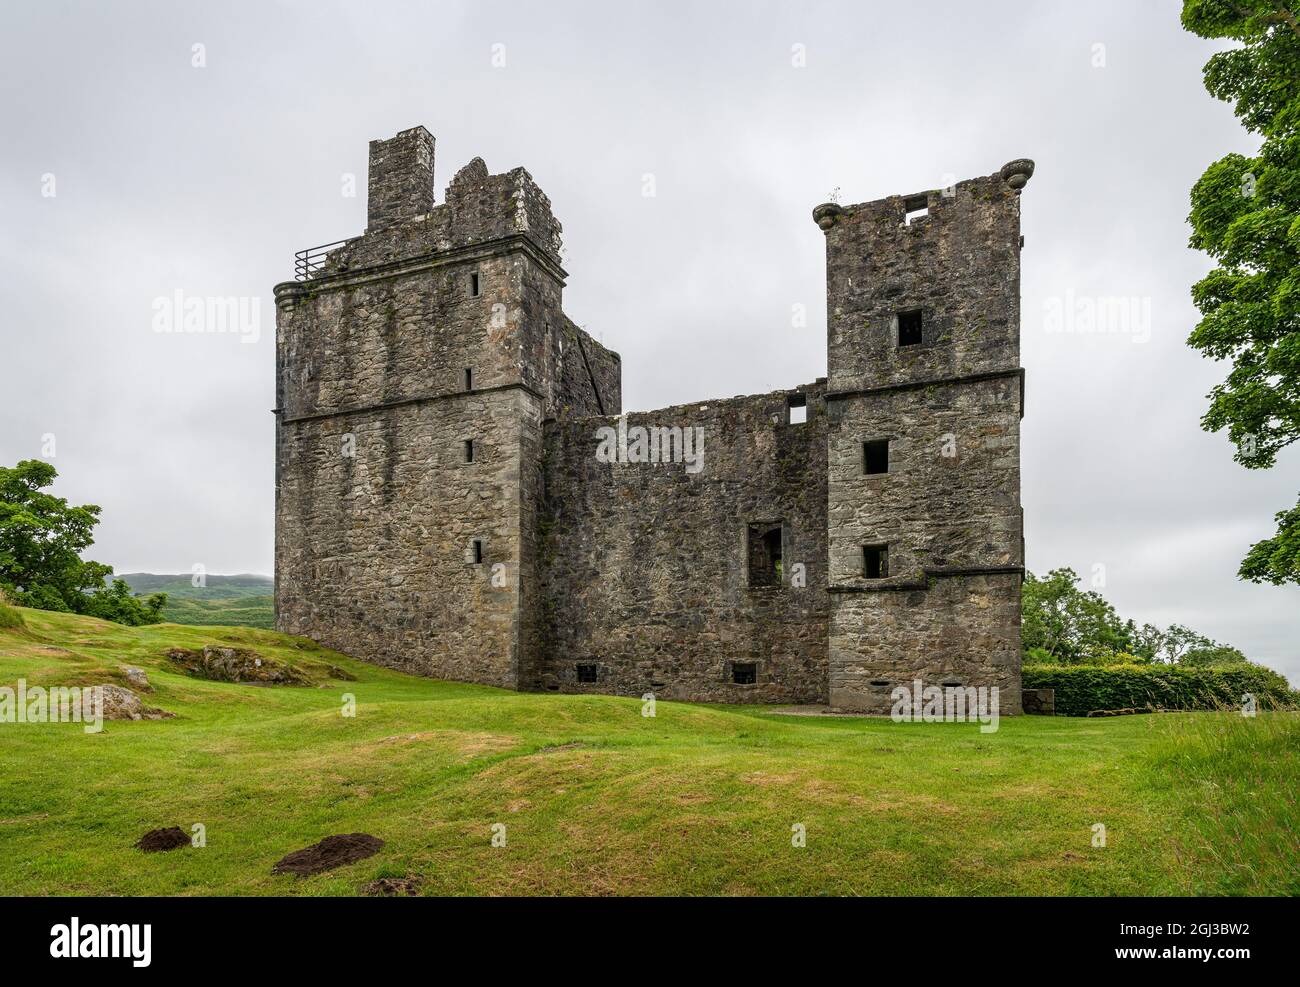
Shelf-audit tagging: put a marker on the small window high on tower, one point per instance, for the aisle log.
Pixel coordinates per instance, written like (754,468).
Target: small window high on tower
(875,561)
(875,456)
(909,328)
(473,285)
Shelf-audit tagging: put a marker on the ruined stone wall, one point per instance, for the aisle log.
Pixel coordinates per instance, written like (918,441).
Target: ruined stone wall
(374,551)
(379,501)
(645,569)
(959,630)
(534,558)
(944,518)
(400,182)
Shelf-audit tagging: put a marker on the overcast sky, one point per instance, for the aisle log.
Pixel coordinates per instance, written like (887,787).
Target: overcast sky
(169,176)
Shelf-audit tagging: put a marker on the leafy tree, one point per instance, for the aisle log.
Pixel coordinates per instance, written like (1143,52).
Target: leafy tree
(1063,625)
(1067,624)
(1246,216)
(41,538)
(117,604)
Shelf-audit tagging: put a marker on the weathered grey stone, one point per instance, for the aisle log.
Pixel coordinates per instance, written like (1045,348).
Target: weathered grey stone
(220,664)
(137,678)
(534,564)
(1041,702)
(123,704)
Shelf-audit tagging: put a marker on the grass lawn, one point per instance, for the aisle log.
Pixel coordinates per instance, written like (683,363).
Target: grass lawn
(597,799)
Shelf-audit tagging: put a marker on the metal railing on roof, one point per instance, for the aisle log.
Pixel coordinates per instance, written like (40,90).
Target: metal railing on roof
(308,262)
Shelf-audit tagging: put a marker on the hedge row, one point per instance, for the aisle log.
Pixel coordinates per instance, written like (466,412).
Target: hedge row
(1082,689)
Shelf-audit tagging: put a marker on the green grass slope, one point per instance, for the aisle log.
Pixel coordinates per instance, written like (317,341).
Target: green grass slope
(598,799)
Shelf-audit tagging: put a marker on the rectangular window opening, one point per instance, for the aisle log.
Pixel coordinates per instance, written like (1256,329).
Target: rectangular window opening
(469,450)
(875,456)
(744,672)
(765,554)
(587,673)
(875,561)
(469,378)
(909,328)
(473,285)
(796,409)
(478,552)
(915,207)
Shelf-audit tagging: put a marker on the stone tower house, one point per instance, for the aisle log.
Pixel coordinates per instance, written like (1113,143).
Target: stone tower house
(447,502)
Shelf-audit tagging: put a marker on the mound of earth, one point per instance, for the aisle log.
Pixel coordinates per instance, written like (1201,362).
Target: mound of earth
(331,852)
(123,704)
(235,665)
(393,887)
(158,840)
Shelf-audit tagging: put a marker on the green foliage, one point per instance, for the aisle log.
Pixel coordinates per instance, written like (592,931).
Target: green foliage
(1276,560)
(117,604)
(1246,216)
(41,540)
(10,619)
(1062,625)
(1081,689)
(1065,624)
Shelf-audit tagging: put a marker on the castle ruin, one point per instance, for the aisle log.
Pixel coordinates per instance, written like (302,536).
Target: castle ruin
(460,494)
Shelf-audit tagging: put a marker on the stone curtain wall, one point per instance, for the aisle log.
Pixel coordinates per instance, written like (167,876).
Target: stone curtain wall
(644,567)
(948,508)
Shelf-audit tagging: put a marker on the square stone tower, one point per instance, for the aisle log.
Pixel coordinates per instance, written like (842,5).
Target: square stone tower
(415,366)
(924,400)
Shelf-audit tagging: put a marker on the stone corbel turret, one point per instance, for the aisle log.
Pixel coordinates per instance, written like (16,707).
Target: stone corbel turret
(288,294)
(826,214)
(1017,173)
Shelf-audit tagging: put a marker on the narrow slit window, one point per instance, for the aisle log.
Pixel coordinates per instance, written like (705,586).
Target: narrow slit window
(765,555)
(478,552)
(473,285)
(469,378)
(914,208)
(587,673)
(796,409)
(875,456)
(909,328)
(875,561)
(469,450)
(744,672)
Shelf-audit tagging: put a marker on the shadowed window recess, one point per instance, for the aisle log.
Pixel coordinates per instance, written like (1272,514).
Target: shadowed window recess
(765,554)
(875,561)
(875,456)
(909,328)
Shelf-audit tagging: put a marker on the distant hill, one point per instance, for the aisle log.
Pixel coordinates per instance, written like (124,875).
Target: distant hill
(244,600)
